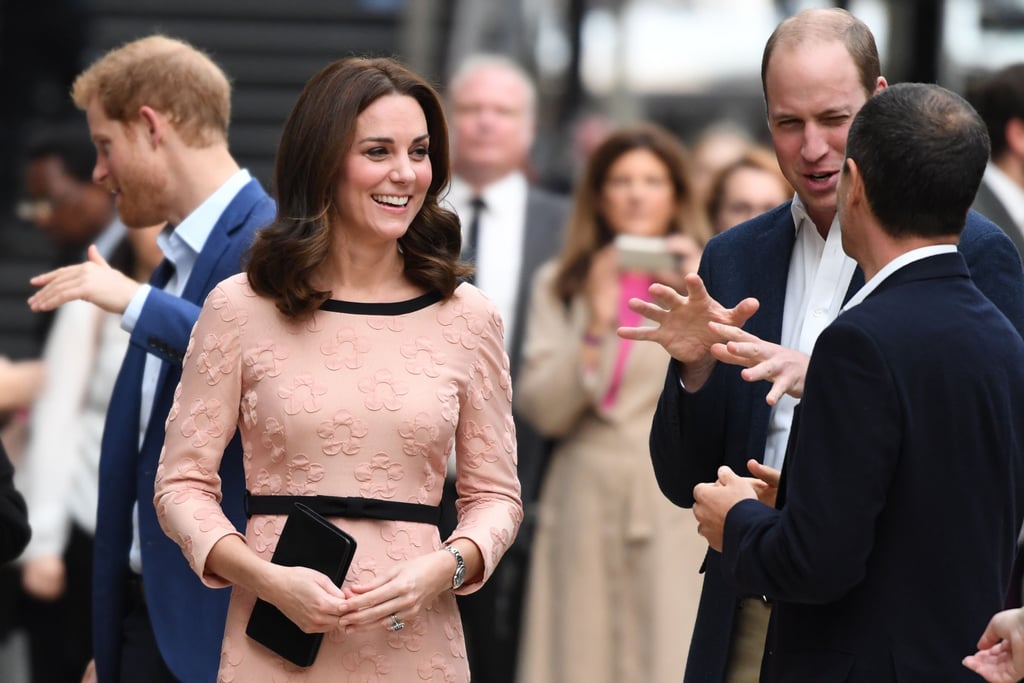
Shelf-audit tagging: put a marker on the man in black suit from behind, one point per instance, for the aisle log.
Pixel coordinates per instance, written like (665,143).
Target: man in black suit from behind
(733,404)
(903,478)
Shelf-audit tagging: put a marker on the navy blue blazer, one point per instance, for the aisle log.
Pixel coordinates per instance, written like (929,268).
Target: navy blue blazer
(726,422)
(188,618)
(903,486)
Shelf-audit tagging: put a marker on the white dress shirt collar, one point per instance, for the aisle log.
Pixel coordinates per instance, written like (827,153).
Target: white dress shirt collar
(819,276)
(183,242)
(894,265)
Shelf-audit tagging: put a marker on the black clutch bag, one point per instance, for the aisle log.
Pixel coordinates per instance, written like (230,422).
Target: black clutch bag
(307,540)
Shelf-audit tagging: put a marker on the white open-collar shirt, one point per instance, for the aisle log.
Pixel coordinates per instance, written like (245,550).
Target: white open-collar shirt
(819,276)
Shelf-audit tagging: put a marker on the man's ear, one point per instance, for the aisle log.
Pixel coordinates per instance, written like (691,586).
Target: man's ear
(854,182)
(153,124)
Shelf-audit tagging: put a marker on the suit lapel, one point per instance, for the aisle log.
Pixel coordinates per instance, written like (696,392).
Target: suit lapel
(162,274)
(540,240)
(231,220)
(773,250)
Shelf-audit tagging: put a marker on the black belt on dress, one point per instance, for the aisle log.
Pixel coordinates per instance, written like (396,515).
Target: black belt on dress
(353,508)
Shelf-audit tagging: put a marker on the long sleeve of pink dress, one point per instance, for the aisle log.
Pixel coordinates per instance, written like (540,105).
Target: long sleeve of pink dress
(362,400)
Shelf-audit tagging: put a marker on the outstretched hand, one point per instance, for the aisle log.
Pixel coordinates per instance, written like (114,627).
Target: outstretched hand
(784,368)
(94,281)
(682,323)
(1000,656)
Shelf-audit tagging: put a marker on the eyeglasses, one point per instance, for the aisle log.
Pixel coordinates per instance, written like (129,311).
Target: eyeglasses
(32,210)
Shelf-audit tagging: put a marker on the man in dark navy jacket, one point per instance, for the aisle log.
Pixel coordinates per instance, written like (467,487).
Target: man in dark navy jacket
(904,475)
(783,277)
(158,112)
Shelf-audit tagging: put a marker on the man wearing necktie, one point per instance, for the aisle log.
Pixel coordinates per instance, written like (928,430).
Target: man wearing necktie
(472,241)
(158,113)
(509,228)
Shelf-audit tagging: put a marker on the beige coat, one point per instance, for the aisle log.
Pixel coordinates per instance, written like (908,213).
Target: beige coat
(613,584)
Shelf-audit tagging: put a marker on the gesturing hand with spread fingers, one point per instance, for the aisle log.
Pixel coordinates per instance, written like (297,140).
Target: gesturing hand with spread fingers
(784,368)
(682,324)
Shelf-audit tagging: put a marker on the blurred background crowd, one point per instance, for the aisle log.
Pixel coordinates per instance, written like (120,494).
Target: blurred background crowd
(668,89)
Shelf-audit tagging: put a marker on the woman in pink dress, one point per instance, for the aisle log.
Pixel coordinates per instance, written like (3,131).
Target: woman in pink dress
(353,363)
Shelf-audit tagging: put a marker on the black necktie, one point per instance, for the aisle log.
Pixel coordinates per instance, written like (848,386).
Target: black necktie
(469,251)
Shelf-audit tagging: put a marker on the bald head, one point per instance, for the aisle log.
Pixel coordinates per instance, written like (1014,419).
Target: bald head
(827,25)
(492,103)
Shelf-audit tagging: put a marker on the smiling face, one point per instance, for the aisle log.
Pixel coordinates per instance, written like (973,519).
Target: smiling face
(637,196)
(128,168)
(812,91)
(386,172)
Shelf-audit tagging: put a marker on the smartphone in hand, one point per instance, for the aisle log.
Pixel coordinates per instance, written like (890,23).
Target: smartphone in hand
(645,254)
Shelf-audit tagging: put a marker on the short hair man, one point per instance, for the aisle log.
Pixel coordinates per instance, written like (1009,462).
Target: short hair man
(890,424)
(999,99)
(158,112)
(819,68)
(509,228)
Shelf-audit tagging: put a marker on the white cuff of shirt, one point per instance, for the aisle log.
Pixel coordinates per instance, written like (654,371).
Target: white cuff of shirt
(134,309)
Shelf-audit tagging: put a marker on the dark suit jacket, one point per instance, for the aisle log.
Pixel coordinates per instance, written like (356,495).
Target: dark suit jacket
(546,214)
(188,618)
(987,204)
(14,530)
(903,487)
(491,616)
(726,422)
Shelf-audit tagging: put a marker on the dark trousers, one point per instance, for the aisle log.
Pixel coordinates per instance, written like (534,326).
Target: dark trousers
(60,631)
(140,657)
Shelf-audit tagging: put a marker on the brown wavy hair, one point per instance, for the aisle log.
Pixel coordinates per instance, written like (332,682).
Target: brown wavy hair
(588,231)
(320,129)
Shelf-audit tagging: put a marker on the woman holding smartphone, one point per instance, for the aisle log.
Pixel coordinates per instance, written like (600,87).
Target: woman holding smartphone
(608,597)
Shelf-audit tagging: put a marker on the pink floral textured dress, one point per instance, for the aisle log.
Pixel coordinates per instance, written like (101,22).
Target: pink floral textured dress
(364,400)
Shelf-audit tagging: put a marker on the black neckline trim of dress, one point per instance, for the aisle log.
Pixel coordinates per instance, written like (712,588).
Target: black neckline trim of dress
(388,308)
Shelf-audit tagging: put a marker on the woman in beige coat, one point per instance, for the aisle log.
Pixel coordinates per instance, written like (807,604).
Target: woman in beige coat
(610,598)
